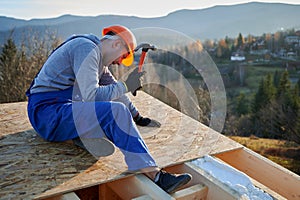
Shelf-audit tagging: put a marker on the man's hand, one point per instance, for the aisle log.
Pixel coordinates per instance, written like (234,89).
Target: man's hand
(145,121)
(134,82)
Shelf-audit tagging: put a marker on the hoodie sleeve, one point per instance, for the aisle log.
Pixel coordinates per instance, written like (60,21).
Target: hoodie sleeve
(106,79)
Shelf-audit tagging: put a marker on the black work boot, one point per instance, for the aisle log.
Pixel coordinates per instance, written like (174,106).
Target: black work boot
(171,182)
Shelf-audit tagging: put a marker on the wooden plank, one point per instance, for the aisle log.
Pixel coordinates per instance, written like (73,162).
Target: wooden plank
(105,192)
(150,188)
(125,188)
(198,192)
(135,186)
(268,173)
(144,197)
(274,195)
(88,193)
(216,190)
(68,196)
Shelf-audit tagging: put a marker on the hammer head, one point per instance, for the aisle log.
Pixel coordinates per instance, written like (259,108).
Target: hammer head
(145,47)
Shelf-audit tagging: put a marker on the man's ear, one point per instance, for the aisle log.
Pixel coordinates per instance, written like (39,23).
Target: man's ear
(117,44)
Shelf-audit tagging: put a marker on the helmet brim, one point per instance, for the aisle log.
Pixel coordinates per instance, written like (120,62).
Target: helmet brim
(128,60)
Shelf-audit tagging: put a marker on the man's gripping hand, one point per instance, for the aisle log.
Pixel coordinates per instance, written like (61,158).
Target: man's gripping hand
(134,81)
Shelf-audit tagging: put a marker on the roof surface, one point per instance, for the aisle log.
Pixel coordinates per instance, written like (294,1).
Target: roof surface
(31,167)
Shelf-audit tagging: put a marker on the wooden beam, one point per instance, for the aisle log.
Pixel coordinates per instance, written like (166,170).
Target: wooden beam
(274,195)
(88,193)
(144,197)
(198,192)
(270,174)
(68,196)
(150,188)
(105,193)
(136,186)
(216,190)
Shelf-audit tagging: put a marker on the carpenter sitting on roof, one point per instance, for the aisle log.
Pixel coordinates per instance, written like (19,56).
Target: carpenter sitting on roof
(75,97)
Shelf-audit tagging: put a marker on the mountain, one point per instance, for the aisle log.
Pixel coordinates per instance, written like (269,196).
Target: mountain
(210,23)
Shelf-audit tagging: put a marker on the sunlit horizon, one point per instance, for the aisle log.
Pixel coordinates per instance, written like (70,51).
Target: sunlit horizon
(33,9)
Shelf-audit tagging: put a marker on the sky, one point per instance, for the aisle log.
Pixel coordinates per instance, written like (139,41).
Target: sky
(31,9)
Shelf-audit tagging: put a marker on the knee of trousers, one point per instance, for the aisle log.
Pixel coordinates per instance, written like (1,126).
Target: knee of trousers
(119,110)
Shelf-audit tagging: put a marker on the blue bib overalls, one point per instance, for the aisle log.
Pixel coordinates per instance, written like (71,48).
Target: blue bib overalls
(56,117)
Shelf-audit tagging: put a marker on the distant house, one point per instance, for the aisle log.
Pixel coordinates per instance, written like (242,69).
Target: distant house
(237,56)
(291,54)
(258,45)
(292,39)
(282,53)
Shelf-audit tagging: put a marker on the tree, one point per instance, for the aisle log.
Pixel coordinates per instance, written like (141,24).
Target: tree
(242,107)
(209,44)
(223,50)
(298,86)
(19,64)
(296,97)
(269,88)
(294,114)
(288,108)
(276,79)
(265,94)
(269,41)
(284,94)
(278,40)
(263,109)
(258,98)
(8,69)
(240,41)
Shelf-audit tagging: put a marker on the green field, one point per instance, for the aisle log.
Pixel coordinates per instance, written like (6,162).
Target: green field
(254,75)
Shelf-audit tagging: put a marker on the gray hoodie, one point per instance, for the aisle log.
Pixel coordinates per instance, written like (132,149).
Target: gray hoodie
(78,63)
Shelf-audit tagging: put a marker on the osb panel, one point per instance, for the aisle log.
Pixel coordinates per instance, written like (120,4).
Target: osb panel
(179,139)
(30,166)
(13,118)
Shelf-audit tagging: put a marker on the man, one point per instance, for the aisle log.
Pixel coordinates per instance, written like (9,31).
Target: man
(74,97)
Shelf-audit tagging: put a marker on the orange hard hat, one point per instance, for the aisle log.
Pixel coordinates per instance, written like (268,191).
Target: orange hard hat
(127,36)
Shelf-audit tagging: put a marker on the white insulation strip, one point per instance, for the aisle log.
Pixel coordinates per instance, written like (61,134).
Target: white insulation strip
(236,180)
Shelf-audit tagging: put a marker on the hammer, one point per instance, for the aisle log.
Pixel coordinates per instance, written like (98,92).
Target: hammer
(145,48)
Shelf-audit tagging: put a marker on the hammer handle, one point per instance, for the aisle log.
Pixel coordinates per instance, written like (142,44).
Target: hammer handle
(142,59)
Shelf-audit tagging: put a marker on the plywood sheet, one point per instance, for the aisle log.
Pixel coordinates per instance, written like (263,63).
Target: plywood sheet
(30,166)
(180,138)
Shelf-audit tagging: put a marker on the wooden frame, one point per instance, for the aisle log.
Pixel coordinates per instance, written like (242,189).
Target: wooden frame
(133,187)
(266,172)
(215,190)
(272,178)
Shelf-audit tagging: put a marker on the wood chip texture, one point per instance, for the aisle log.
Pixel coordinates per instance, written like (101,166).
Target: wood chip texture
(33,168)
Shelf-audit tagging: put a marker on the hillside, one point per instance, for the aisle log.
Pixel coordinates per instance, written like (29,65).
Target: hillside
(284,153)
(211,23)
